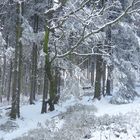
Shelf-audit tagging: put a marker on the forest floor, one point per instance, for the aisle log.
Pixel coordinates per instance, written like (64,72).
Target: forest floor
(75,119)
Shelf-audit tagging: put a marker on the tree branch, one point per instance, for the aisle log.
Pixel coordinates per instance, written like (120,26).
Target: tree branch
(97,30)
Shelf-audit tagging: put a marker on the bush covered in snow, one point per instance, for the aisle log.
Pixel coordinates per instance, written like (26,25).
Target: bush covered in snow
(124,95)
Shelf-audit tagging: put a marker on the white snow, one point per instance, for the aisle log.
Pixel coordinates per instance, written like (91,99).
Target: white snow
(111,109)
(31,117)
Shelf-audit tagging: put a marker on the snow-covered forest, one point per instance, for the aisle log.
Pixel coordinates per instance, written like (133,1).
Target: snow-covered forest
(69,69)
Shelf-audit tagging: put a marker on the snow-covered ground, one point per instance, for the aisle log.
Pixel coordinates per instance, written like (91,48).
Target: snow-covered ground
(74,119)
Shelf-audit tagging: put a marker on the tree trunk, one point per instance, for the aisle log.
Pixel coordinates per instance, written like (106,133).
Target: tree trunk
(58,82)
(108,84)
(19,79)
(52,94)
(3,76)
(99,62)
(45,93)
(10,79)
(57,85)
(93,66)
(108,42)
(48,63)
(33,74)
(103,78)
(15,95)
(34,63)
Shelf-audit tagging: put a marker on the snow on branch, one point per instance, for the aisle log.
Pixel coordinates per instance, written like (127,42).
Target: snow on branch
(88,54)
(65,17)
(51,10)
(83,37)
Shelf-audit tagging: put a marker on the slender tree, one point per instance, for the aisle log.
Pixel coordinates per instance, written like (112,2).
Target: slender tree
(15,110)
(99,62)
(34,61)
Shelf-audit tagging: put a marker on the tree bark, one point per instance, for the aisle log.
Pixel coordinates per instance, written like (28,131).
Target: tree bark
(45,93)
(34,63)
(15,91)
(99,62)
(93,66)
(108,42)
(48,63)
(9,83)
(19,79)
(104,79)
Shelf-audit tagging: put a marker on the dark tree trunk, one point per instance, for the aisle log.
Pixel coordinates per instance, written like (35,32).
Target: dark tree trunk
(104,79)
(15,91)
(33,74)
(48,63)
(45,93)
(58,83)
(19,79)
(3,76)
(93,66)
(34,63)
(9,83)
(108,84)
(108,42)
(99,62)
(52,93)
